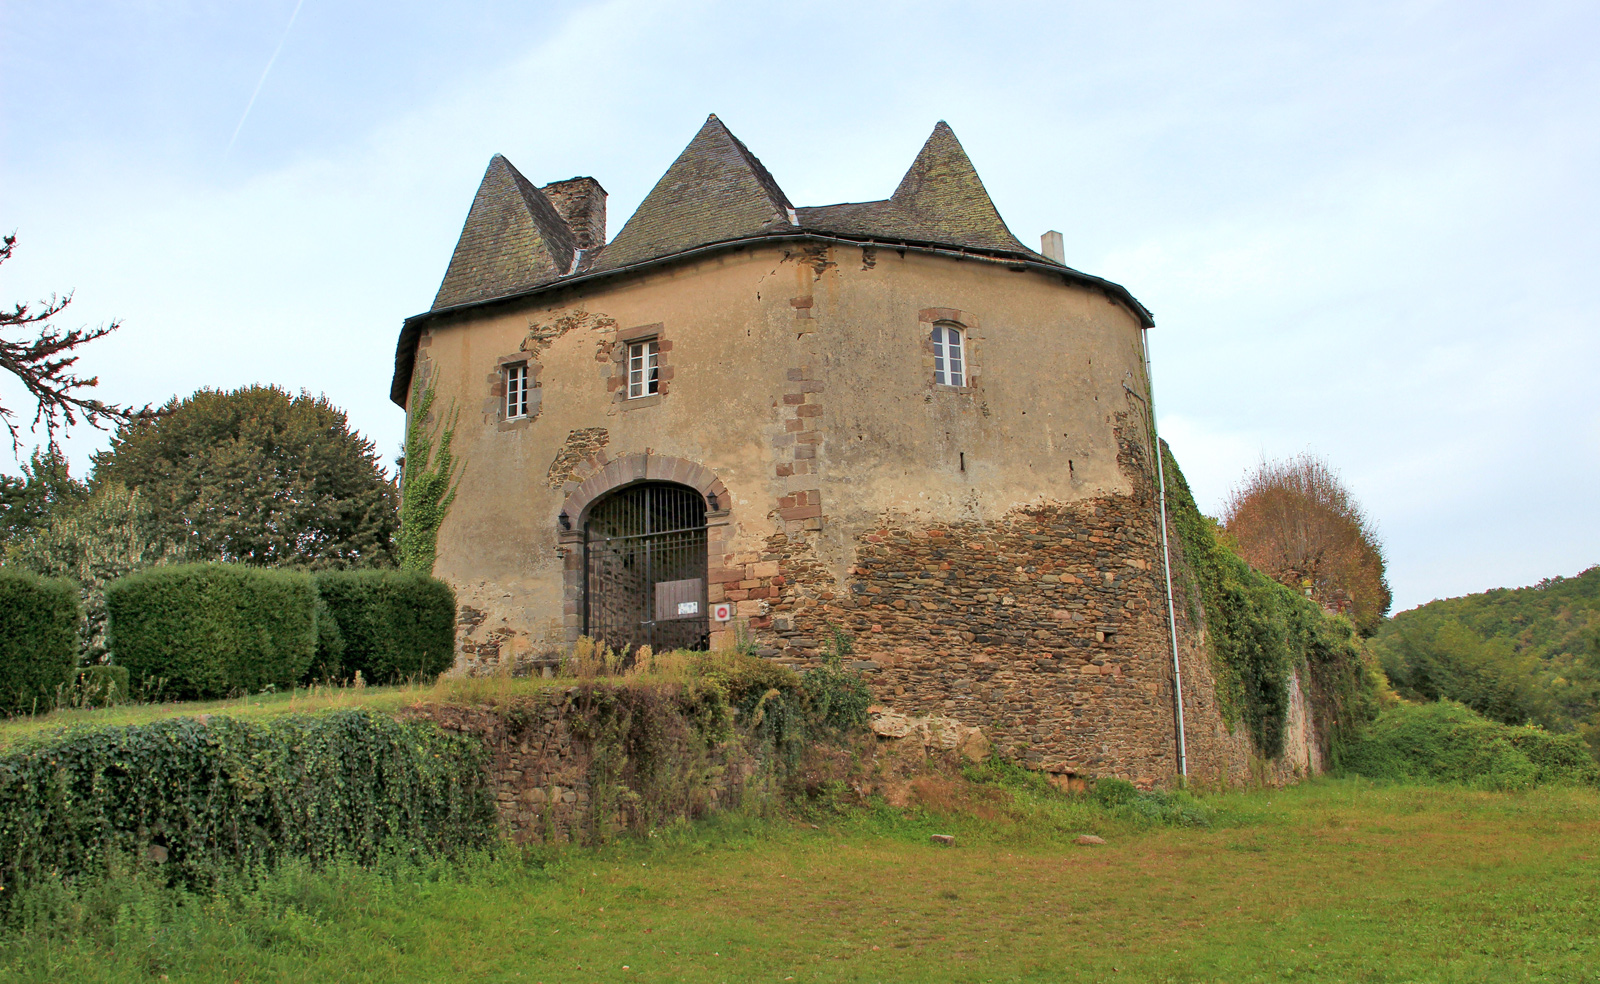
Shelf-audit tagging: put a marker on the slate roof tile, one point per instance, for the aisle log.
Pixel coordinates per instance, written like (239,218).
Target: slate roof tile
(516,240)
(513,239)
(714,192)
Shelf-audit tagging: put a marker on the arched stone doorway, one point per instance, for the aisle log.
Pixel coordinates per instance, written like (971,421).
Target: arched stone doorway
(600,501)
(644,563)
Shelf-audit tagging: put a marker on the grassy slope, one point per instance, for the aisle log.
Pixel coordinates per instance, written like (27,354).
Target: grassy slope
(1334,880)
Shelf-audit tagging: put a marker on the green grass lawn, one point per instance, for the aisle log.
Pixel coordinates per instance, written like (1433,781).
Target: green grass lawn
(1333,880)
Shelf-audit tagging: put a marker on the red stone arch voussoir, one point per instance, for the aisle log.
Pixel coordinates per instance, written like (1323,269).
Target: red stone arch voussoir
(600,475)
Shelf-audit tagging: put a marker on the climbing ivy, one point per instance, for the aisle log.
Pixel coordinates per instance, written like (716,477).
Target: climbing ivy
(428,485)
(1259,631)
(208,797)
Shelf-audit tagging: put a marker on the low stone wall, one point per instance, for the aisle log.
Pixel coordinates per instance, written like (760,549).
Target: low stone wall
(549,786)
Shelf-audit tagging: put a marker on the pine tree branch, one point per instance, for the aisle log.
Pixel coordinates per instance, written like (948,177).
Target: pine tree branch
(42,357)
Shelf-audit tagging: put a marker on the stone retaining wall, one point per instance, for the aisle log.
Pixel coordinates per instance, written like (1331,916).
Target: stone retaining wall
(545,777)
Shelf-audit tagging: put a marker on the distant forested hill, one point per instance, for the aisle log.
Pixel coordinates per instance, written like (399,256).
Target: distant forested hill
(1517,655)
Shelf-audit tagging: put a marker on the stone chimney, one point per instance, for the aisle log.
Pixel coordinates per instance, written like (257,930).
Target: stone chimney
(582,202)
(1051,245)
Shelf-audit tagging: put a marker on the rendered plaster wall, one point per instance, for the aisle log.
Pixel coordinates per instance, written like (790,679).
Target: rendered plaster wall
(993,547)
(803,381)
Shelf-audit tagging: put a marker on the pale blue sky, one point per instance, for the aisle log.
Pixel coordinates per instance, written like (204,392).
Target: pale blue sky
(1366,230)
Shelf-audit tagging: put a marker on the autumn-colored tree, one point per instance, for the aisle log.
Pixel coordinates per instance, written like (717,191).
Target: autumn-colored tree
(1296,522)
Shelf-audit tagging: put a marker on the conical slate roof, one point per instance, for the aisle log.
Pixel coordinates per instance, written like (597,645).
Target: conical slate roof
(516,242)
(714,192)
(513,239)
(941,200)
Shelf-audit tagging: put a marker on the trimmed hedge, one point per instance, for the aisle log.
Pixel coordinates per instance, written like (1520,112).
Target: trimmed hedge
(388,625)
(1449,742)
(212,630)
(38,640)
(206,797)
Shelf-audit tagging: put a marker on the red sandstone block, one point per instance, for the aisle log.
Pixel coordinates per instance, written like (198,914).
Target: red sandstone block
(784,471)
(800,512)
(794,425)
(809,410)
(725,575)
(794,399)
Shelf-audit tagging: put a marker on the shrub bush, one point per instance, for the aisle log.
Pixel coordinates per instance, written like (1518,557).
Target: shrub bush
(38,640)
(212,630)
(207,797)
(1449,742)
(391,625)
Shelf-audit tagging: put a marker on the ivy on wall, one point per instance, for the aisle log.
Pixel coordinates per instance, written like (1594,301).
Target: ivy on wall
(428,484)
(204,798)
(1259,632)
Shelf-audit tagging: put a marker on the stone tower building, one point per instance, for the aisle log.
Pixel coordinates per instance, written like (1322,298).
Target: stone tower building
(741,416)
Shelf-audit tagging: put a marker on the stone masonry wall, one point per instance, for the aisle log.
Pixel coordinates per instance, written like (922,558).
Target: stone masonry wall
(1046,629)
(543,775)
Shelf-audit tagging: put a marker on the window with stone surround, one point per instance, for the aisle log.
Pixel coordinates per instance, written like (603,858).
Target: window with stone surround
(516,383)
(949,359)
(949,355)
(512,401)
(639,360)
(644,368)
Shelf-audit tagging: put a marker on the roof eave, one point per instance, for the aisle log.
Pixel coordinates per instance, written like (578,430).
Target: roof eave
(411,330)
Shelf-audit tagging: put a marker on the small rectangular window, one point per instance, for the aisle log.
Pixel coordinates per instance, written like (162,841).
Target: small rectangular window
(949,366)
(644,369)
(516,390)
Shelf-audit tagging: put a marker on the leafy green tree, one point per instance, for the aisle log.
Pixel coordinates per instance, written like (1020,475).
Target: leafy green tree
(110,536)
(1514,655)
(257,476)
(45,487)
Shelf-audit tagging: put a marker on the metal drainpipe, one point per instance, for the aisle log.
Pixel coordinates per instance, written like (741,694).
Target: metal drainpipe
(1166,565)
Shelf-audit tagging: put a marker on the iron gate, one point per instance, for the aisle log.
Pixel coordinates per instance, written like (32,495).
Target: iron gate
(644,560)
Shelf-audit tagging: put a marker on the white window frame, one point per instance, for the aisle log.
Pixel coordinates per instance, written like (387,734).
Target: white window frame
(949,354)
(516,405)
(644,367)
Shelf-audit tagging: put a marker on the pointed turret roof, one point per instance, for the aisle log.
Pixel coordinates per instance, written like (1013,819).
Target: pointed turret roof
(715,191)
(513,239)
(516,242)
(940,200)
